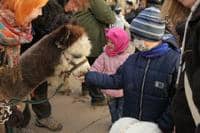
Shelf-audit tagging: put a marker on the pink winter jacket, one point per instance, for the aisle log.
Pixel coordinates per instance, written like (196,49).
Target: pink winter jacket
(109,65)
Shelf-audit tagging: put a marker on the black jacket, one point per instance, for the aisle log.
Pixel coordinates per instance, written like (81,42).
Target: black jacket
(52,17)
(182,116)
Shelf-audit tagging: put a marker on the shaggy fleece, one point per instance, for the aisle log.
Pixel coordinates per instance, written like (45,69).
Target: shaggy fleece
(38,62)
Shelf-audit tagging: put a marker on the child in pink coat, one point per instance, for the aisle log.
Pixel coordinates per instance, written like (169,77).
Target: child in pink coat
(114,55)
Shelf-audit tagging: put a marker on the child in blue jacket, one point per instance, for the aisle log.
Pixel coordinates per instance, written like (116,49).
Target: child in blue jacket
(148,76)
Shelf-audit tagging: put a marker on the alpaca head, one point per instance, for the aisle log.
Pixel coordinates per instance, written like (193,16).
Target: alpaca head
(74,38)
(81,45)
(75,50)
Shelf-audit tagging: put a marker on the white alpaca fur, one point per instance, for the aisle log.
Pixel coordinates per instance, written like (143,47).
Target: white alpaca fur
(131,125)
(80,48)
(122,125)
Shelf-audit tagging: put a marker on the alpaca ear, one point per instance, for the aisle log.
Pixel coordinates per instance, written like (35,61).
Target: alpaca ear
(61,43)
(66,36)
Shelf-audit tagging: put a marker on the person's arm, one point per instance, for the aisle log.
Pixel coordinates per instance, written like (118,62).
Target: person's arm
(102,11)
(104,81)
(165,122)
(99,64)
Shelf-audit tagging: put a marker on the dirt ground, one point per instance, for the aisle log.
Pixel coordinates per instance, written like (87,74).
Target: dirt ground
(77,115)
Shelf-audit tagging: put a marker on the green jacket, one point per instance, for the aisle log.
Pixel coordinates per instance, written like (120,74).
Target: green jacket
(95,20)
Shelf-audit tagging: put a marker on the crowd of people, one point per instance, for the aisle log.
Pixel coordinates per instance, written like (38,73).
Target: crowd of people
(144,58)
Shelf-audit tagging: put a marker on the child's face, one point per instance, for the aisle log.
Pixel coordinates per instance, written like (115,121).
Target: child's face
(128,8)
(187,3)
(110,45)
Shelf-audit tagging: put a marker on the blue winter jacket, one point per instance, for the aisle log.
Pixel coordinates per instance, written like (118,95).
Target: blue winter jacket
(148,83)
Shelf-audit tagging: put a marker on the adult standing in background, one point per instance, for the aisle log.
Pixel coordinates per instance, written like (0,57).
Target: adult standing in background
(187,98)
(15,29)
(131,10)
(94,19)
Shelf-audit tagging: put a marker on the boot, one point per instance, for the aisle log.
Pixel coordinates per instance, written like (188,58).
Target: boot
(97,97)
(49,123)
(27,129)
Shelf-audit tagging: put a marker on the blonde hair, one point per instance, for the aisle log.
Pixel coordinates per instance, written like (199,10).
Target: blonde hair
(22,8)
(174,11)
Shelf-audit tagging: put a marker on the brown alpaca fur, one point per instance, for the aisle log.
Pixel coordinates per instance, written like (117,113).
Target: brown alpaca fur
(38,62)
(174,11)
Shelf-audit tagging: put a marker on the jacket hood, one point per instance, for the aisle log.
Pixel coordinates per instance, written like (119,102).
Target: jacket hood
(171,41)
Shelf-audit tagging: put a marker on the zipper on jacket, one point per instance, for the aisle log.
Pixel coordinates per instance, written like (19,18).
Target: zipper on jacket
(142,89)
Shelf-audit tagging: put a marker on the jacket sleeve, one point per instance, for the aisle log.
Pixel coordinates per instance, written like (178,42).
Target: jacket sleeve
(165,122)
(102,11)
(99,64)
(104,81)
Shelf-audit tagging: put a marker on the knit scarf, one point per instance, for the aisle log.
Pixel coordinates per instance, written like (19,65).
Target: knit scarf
(12,36)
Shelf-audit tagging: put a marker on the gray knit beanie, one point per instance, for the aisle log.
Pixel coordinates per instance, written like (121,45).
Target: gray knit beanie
(148,25)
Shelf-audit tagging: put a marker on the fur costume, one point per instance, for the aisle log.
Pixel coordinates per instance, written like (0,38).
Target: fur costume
(131,125)
(40,61)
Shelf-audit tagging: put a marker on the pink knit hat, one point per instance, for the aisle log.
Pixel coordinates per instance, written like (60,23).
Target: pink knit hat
(120,39)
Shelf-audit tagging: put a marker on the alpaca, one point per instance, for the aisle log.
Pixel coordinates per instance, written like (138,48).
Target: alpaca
(40,61)
(72,67)
(131,125)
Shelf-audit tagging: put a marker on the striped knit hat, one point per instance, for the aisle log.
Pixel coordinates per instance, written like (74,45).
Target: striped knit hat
(148,25)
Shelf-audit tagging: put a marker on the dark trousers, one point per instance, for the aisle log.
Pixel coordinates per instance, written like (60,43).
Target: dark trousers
(95,93)
(42,110)
(181,113)
(116,108)
(184,126)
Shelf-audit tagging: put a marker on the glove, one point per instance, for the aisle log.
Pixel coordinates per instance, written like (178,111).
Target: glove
(16,118)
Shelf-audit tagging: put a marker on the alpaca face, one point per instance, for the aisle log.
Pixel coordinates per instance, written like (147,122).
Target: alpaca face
(75,54)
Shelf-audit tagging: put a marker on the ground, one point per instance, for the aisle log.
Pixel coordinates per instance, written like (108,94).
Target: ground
(77,115)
